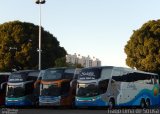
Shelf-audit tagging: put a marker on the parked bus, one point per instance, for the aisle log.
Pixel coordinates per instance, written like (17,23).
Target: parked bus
(117,86)
(38,81)
(37,84)
(20,88)
(3,82)
(56,89)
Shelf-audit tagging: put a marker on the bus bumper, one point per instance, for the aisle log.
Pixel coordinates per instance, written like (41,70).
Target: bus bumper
(18,102)
(91,101)
(49,101)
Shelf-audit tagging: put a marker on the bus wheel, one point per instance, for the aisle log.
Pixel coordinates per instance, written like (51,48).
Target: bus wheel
(142,103)
(111,103)
(148,103)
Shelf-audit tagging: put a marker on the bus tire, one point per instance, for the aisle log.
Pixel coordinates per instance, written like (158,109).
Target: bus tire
(111,103)
(142,103)
(148,103)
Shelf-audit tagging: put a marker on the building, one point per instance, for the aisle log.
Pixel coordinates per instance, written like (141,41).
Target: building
(84,61)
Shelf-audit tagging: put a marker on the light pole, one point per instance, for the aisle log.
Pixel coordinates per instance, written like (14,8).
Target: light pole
(39,2)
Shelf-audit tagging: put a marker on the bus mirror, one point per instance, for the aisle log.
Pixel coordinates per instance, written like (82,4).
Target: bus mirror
(3,85)
(112,81)
(35,84)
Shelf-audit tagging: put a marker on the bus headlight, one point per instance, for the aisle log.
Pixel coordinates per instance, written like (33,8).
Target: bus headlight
(93,99)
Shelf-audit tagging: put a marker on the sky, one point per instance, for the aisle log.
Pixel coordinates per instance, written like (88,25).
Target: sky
(98,28)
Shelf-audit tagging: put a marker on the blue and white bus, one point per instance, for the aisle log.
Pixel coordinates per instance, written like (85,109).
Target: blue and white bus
(117,86)
(20,88)
(3,82)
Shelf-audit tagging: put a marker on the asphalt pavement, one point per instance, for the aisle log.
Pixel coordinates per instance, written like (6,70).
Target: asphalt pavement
(77,111)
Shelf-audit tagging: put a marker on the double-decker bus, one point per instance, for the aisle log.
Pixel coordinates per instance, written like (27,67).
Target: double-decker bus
(56,88)
(37,85)
(3,82)
(117,86)
(20,88)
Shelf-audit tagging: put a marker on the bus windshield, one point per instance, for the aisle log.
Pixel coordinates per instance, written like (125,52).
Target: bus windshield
(50,90)
(15,91)
(53,74)
(87,90)
(89,74)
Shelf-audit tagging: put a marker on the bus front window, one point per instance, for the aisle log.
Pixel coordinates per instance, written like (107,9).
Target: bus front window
(15,91)
(89,74)
(50,90)
(87,90)
(52,74)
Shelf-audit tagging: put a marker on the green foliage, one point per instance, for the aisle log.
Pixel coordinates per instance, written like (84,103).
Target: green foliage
(143,48)
(61,62)
(25,37)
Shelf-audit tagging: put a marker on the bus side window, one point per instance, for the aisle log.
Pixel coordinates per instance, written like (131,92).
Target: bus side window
(156,80)
(69,73)
(103,85)
(106,73)
(149,81)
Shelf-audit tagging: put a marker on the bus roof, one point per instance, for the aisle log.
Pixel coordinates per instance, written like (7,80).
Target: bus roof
(33,73)
(5,73)
(61,68)
(122,68)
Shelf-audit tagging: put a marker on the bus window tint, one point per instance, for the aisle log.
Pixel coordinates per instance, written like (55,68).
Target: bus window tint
(103,85)
(89,74)
(50,90)
(52,74)
(87,90)
(15,91)
(33,75)
(76,73)
(40,75)
(156,79)
(106,73)
(17,77)
(69,73)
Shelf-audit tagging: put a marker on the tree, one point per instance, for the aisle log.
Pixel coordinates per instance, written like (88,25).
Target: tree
(61,62)
(143,48)
(19,44)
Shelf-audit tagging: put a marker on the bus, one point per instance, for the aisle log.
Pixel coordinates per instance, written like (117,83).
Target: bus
(111,86)
(37,85)
(3,82)
(56,88)
(20,88)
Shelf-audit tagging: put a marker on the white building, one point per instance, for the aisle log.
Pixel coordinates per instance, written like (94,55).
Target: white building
(84,61)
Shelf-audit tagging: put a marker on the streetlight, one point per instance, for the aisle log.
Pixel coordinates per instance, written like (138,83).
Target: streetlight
(39,2)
